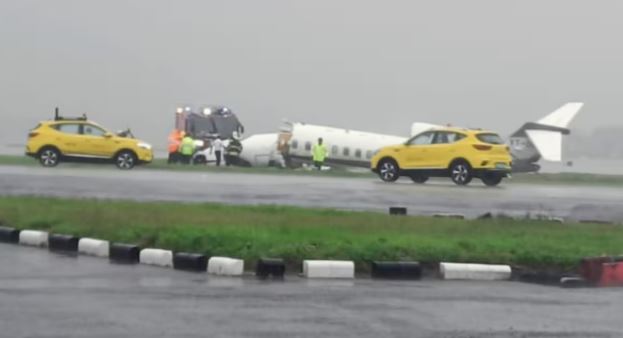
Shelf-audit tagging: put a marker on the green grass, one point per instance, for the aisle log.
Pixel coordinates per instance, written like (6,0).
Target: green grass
(295,234)
(160,164)
(17,160)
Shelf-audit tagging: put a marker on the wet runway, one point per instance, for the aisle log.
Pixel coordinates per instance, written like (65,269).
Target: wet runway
(44,294)
(572,202)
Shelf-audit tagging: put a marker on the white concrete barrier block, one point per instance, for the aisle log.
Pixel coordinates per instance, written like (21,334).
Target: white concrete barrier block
(474,271)
(225,266)
(93,247)
(33,238)
(156,257)
(328,269)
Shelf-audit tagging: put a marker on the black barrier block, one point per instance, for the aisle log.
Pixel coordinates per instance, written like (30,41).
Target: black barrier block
(574,282)
(124,253)
(58,242)
(396,270)
(399,211)
(9,235)
(541,277)
(190,261)
(274,267)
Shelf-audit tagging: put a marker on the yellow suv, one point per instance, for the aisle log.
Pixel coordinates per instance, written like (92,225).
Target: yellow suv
(460,154)
(78,138)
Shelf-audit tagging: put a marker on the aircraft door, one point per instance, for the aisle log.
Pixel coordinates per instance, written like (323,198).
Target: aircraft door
(283,142)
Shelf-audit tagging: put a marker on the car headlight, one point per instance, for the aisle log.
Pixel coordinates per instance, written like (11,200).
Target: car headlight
(144,145)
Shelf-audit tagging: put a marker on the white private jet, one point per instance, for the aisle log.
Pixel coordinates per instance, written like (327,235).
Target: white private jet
(292,146)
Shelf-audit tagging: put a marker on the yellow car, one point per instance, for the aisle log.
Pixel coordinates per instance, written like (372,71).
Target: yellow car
(80,139)
(460,154)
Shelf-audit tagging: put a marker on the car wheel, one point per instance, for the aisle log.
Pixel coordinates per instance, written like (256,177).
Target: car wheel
(491,180)
(49,157)
(419,179)
(461,173)
(388,170)
(125,160)
(199,160)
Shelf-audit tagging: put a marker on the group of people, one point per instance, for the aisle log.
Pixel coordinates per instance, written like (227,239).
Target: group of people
(182,148)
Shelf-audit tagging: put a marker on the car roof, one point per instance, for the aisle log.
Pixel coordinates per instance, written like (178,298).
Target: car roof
(463,130)
(72,121)
(69,121)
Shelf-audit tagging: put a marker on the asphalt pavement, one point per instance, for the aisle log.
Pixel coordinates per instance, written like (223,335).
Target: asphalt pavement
(574,202)
(44,294)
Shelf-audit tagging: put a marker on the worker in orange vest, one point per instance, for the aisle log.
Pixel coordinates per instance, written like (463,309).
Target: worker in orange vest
(175,139)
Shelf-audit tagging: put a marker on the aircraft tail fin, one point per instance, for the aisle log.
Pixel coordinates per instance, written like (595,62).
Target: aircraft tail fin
(562,116)
(543,139)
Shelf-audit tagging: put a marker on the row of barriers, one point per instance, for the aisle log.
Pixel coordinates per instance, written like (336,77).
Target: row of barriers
(595,271)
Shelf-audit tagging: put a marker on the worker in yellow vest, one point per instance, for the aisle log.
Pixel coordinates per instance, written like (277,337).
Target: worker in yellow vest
(187,149)
(319,153)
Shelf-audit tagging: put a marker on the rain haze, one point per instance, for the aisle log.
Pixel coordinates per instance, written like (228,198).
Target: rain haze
(368,65)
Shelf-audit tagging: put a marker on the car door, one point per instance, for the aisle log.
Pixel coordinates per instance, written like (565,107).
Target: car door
(416,152)
(97,141)
(68,138)
(442,150)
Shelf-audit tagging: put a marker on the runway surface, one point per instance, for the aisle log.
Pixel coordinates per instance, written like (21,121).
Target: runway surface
(572,202)
(44,294)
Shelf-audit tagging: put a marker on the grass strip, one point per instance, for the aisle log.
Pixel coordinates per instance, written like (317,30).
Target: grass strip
(295,234)
(160,164)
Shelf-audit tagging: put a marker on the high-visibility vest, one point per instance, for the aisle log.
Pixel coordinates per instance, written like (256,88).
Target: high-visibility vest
(319,152)
(174,141)
(188,146)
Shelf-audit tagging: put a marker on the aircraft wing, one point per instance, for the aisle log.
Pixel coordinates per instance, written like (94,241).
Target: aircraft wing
(548,143)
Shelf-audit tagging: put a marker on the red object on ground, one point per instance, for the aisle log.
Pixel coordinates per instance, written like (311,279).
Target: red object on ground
(611,274)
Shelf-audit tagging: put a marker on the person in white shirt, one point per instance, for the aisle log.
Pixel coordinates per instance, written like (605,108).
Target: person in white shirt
(217,145)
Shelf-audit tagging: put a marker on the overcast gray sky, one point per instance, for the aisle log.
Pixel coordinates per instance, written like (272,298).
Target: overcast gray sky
(370,65)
